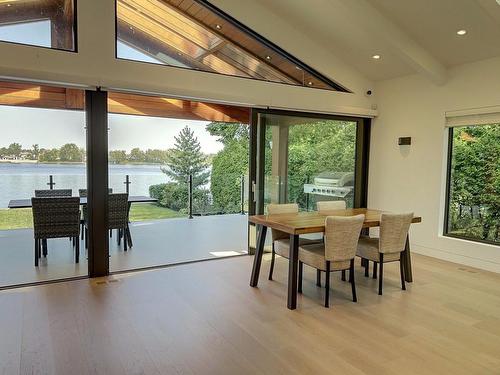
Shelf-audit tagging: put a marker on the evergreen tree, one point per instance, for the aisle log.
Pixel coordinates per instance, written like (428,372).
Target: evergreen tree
(186,158)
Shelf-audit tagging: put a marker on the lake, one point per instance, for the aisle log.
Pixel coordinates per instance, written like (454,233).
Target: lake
(19,181)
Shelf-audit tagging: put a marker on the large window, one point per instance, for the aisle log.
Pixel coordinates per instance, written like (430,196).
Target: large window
(193,34)
(473,196)
(43,23)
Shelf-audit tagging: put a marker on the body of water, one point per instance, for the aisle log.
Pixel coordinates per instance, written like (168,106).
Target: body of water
(18,181)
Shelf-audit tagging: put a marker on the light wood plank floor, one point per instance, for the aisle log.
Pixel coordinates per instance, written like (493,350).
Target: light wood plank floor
(203,318)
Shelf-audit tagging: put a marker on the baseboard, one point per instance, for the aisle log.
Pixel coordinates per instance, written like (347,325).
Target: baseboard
(456,258)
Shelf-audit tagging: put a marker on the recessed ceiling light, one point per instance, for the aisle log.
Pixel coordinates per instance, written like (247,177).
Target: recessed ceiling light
(268,57)
(461,32)
(218,27)
(310,83)
(376,57)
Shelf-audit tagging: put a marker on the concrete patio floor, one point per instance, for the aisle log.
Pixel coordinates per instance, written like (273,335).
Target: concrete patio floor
(157,242)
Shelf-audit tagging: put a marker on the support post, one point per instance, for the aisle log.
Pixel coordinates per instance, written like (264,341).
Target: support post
(242,194)
(51,182)
(127,184)
(96,112)
(190,192)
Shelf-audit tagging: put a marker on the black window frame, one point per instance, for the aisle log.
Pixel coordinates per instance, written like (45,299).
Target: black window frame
(449,161)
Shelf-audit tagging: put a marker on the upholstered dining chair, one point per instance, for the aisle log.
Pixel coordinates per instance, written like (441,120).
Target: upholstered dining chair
(330,205)
(337,253)
(56,217)
(281,240)
(389,246)
(323,206)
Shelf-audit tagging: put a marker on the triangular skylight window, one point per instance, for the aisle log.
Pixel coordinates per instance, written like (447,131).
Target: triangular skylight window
(194,34)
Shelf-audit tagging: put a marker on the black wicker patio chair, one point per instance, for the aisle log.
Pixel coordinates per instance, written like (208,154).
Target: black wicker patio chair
(56,217)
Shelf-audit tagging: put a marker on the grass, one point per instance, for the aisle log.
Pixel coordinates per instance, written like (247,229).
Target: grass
(22,218)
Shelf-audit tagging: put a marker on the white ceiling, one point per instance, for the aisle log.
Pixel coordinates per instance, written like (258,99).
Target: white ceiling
(410,35)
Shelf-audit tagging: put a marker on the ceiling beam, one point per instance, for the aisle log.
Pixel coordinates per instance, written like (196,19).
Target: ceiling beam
(376,23)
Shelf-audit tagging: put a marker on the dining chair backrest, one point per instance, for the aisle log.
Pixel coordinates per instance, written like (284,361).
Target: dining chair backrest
(83,192)
(284,208)
(393,232)
(341,237)
(55,217)
(330,205)
(117,211)
(53,193)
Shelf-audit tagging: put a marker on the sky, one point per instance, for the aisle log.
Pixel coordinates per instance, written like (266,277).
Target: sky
(53,128)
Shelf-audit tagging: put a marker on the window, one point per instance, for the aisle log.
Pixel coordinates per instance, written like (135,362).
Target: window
(473,192)
(193,34)
(48,23)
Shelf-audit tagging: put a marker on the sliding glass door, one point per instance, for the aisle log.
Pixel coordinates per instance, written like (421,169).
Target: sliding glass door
(305,158)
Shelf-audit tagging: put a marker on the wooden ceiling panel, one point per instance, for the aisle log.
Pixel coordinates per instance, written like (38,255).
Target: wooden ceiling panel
(26,95)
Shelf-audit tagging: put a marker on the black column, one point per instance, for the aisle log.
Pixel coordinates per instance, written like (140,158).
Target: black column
(97,181)
(362,160)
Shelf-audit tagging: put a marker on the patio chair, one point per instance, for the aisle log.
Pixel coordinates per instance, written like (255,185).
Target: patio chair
(83,193)
(47,193)
(53,193)
(337,253)
(118,210)
(388,248)
(56,217)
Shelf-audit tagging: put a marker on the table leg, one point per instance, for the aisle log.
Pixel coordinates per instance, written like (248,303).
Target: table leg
(259,251)
(292,271)
(407,260)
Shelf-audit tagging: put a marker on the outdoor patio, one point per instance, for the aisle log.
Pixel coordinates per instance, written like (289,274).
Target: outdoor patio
(156,242)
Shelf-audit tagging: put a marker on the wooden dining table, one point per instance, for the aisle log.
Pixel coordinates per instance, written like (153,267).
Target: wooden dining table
(296,224)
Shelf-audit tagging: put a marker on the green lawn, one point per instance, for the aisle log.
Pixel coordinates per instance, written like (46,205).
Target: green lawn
(22,218)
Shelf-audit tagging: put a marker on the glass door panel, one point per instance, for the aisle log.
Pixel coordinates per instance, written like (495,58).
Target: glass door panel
(306,159)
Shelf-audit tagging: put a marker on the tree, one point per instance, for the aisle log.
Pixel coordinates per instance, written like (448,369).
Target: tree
(70,152)
(35,151)
(49,155)
(187,159)
(118,156)
(15,149)
(228,165)
(136,155)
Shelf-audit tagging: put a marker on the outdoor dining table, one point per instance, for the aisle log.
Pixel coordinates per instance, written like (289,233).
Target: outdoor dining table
(26,203)
(296,224)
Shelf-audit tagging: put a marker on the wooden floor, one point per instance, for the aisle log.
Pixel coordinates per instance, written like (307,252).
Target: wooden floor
(203,318)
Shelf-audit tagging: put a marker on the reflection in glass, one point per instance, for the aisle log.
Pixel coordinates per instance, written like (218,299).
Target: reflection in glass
(49,23)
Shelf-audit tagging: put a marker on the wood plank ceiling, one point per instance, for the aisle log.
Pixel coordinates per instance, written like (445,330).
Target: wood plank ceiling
(27,95)
(193,36)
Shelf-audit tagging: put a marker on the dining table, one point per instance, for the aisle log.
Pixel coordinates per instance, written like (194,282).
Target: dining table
(26,203)
(296,224)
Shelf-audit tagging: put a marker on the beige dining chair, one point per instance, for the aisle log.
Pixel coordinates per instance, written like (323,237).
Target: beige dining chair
(389,246)
(337,253)
(324,206)
(281,240)
(330,205)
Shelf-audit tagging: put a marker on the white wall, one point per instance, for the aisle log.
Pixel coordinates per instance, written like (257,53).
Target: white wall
(413,179)
(95,65)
